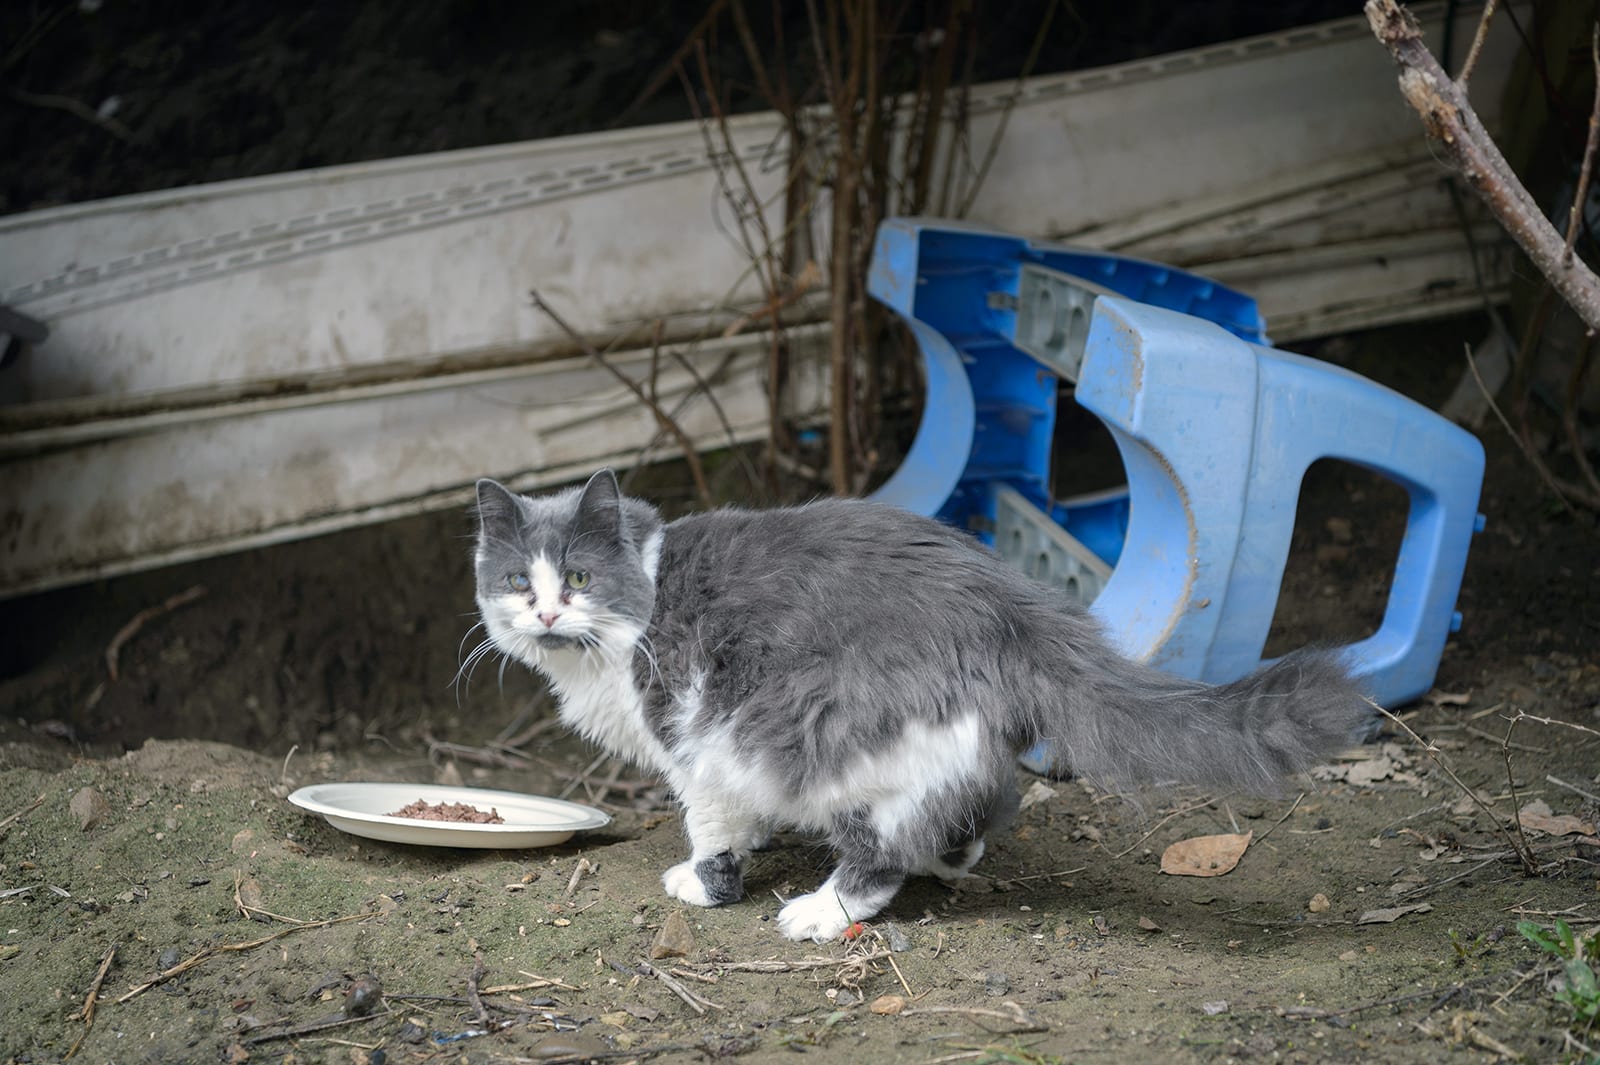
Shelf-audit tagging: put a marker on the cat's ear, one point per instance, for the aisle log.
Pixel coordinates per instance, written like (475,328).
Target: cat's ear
(600,505)
(497,507)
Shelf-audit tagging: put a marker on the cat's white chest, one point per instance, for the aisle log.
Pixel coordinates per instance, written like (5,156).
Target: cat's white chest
(599,700)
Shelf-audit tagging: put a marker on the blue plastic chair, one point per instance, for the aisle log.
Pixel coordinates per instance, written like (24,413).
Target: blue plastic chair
(1216,432)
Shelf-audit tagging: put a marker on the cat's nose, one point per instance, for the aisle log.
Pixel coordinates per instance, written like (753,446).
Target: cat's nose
(549,619)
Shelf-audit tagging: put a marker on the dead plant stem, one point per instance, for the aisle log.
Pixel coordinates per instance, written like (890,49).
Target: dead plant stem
(690,454)
(1524,855)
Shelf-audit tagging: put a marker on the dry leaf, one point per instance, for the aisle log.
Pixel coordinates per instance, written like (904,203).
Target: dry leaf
(1393,913)
(1148,925)
(1205,855)
(1538,817)
(888,1005)
(1371,771)
(1037,792)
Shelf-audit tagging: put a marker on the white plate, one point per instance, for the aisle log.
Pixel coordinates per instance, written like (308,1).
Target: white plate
(530,820)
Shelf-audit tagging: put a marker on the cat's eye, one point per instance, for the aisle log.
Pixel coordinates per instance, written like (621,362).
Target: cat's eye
(577,579)
(519,582)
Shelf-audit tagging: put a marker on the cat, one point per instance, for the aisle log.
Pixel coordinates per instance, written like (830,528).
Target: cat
(854,670)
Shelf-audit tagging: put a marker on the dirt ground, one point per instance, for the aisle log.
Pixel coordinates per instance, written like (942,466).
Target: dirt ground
(336,659)
(333,659)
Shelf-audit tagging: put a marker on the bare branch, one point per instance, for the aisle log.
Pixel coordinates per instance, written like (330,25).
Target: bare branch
(1581,193)
(665,421)
(1477,42)
(1448,117)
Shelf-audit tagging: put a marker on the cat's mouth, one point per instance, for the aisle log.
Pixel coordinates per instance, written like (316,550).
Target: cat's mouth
(551,641)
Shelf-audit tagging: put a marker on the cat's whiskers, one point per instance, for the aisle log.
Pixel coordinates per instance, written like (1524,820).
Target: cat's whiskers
(464,672)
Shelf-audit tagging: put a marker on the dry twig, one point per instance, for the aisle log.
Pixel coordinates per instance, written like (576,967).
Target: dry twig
(1450,120)
(1191,808)
(481,1013)
(86,1013)
(776,966)
(1013,1014)
(234,948)
(1581,192)
(320,1025)
(698,1003)
(1562,490)
(249,912)
(5,825)
(143,618)
(582,867)
(665,421)
(75,108)
(1520,849)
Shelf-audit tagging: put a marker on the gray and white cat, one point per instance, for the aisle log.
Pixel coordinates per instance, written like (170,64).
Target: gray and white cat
(850,669)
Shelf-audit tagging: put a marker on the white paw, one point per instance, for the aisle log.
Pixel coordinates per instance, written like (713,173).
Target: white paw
(682,883)
(817,916)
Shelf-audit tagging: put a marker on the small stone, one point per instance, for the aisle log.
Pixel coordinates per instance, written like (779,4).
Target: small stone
(251,898)
(169,957)
(996,984)
(90,808)
(888,1005)
(846,997)
(1319,903)
(1211,1009)
(364,995)
(896,938)
(674,940)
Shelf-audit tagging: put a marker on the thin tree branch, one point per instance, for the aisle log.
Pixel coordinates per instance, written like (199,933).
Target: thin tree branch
(1448,117)
(1581,193)
(75,108)
(1477,43)
(1549,478)
(690,455)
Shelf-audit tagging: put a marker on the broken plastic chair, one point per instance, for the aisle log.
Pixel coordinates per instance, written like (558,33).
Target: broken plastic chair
(1216,431)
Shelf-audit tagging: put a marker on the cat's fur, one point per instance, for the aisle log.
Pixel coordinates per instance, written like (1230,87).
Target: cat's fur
(853,670)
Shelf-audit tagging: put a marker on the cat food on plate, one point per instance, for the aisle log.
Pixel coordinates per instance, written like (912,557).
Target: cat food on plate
(422,810)
(437,815)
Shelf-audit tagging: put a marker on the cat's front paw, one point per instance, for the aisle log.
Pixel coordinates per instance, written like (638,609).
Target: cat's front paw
(817,917)
(683,883)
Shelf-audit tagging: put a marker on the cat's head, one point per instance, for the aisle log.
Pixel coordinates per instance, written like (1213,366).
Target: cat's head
(571,570)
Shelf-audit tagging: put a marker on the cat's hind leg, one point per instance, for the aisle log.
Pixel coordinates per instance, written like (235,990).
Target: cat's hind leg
(954,863)
(722,835)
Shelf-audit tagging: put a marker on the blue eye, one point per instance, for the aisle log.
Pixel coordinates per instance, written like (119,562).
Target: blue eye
(519,582)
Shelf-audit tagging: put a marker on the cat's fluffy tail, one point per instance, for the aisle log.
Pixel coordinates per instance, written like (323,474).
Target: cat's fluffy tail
(1136,725)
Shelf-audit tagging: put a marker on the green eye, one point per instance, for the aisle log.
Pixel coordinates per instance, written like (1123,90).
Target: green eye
(519,582)
(577,579)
